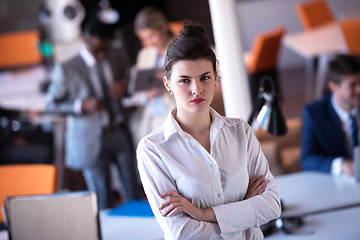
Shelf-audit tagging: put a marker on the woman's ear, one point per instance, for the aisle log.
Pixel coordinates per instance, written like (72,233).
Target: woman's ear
(167,84)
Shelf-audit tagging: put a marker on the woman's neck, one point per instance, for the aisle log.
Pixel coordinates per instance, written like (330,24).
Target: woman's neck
(194,123)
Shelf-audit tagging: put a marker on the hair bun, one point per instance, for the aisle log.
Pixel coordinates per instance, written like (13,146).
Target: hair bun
(192,30)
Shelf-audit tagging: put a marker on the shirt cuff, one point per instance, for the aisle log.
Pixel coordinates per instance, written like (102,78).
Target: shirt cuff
(77,106)
(336,169)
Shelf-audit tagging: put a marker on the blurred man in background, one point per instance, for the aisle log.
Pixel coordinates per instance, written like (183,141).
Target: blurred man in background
(88,89)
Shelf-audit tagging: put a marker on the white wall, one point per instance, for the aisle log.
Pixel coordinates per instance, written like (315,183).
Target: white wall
(256,16)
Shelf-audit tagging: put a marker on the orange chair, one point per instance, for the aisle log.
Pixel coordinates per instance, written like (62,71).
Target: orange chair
(351,32)
(314,13)
(19,49)
(26,179)
(263,57)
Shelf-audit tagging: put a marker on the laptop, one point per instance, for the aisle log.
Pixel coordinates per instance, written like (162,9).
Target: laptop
(144,79)
(71,215)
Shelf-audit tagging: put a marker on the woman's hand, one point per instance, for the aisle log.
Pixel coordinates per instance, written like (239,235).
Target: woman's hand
(257,186)
(175,203)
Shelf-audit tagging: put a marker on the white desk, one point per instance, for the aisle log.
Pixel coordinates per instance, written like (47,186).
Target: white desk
(129,228)
(342,224)
(21,90)
(308,192)
(326,39)
(321,42)
(302,193)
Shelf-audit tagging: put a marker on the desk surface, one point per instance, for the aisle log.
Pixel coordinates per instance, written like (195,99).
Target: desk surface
(21,90)
(130,228)
(327,39)
(302,193)
(307,192)
(342,224)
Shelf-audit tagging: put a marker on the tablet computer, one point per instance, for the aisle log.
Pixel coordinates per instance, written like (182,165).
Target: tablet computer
(144,79)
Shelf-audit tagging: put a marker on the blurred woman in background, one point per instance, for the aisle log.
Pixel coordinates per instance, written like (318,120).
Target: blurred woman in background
(152,28)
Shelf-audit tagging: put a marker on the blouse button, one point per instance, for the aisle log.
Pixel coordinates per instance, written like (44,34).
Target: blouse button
(219,195)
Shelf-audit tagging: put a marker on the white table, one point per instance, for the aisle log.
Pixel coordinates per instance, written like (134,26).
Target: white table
(21,90)
(129,228)
(321,42)
(303,193)
(306,193)
(335,225)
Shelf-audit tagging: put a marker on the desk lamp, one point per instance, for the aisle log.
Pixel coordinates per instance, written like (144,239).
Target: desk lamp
(267,115)
(266,112)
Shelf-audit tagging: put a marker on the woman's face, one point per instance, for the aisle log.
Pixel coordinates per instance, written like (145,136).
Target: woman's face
(152,38)
(193,84)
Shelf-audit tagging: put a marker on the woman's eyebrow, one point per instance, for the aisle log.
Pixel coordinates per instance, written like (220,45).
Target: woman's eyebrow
(205,73)
(184,76)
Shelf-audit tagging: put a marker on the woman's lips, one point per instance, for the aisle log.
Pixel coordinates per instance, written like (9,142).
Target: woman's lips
(197,100)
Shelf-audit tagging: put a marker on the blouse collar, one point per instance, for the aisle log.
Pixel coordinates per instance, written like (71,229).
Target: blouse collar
(171,126)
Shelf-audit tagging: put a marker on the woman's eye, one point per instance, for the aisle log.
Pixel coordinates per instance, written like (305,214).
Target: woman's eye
(184,80)
(205,78)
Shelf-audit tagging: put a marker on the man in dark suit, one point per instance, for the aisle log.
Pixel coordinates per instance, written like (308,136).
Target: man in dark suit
(330,128)
(88,88)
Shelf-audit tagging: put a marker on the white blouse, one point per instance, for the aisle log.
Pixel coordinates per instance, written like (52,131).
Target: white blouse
(171,159)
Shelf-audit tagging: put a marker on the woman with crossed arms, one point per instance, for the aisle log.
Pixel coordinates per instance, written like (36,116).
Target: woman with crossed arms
(204,175)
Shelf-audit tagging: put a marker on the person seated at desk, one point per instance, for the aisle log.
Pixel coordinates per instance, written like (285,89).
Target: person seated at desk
(331,123)
(205,175)
(88,88)
(152,28)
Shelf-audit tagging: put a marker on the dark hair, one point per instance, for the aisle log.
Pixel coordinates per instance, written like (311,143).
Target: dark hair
(96,28)
(340,66)
(191,44)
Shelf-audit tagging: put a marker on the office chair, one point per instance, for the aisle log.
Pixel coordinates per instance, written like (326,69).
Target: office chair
(314,13)
(26,179)
(351,32)
(262,59)
(19,49)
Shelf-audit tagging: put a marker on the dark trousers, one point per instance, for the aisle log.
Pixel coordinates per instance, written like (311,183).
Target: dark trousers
(116,148)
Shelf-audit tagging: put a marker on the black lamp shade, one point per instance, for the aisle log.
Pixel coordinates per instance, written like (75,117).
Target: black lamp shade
(271,118)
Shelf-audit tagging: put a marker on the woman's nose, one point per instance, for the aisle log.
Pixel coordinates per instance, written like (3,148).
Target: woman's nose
(196,88)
